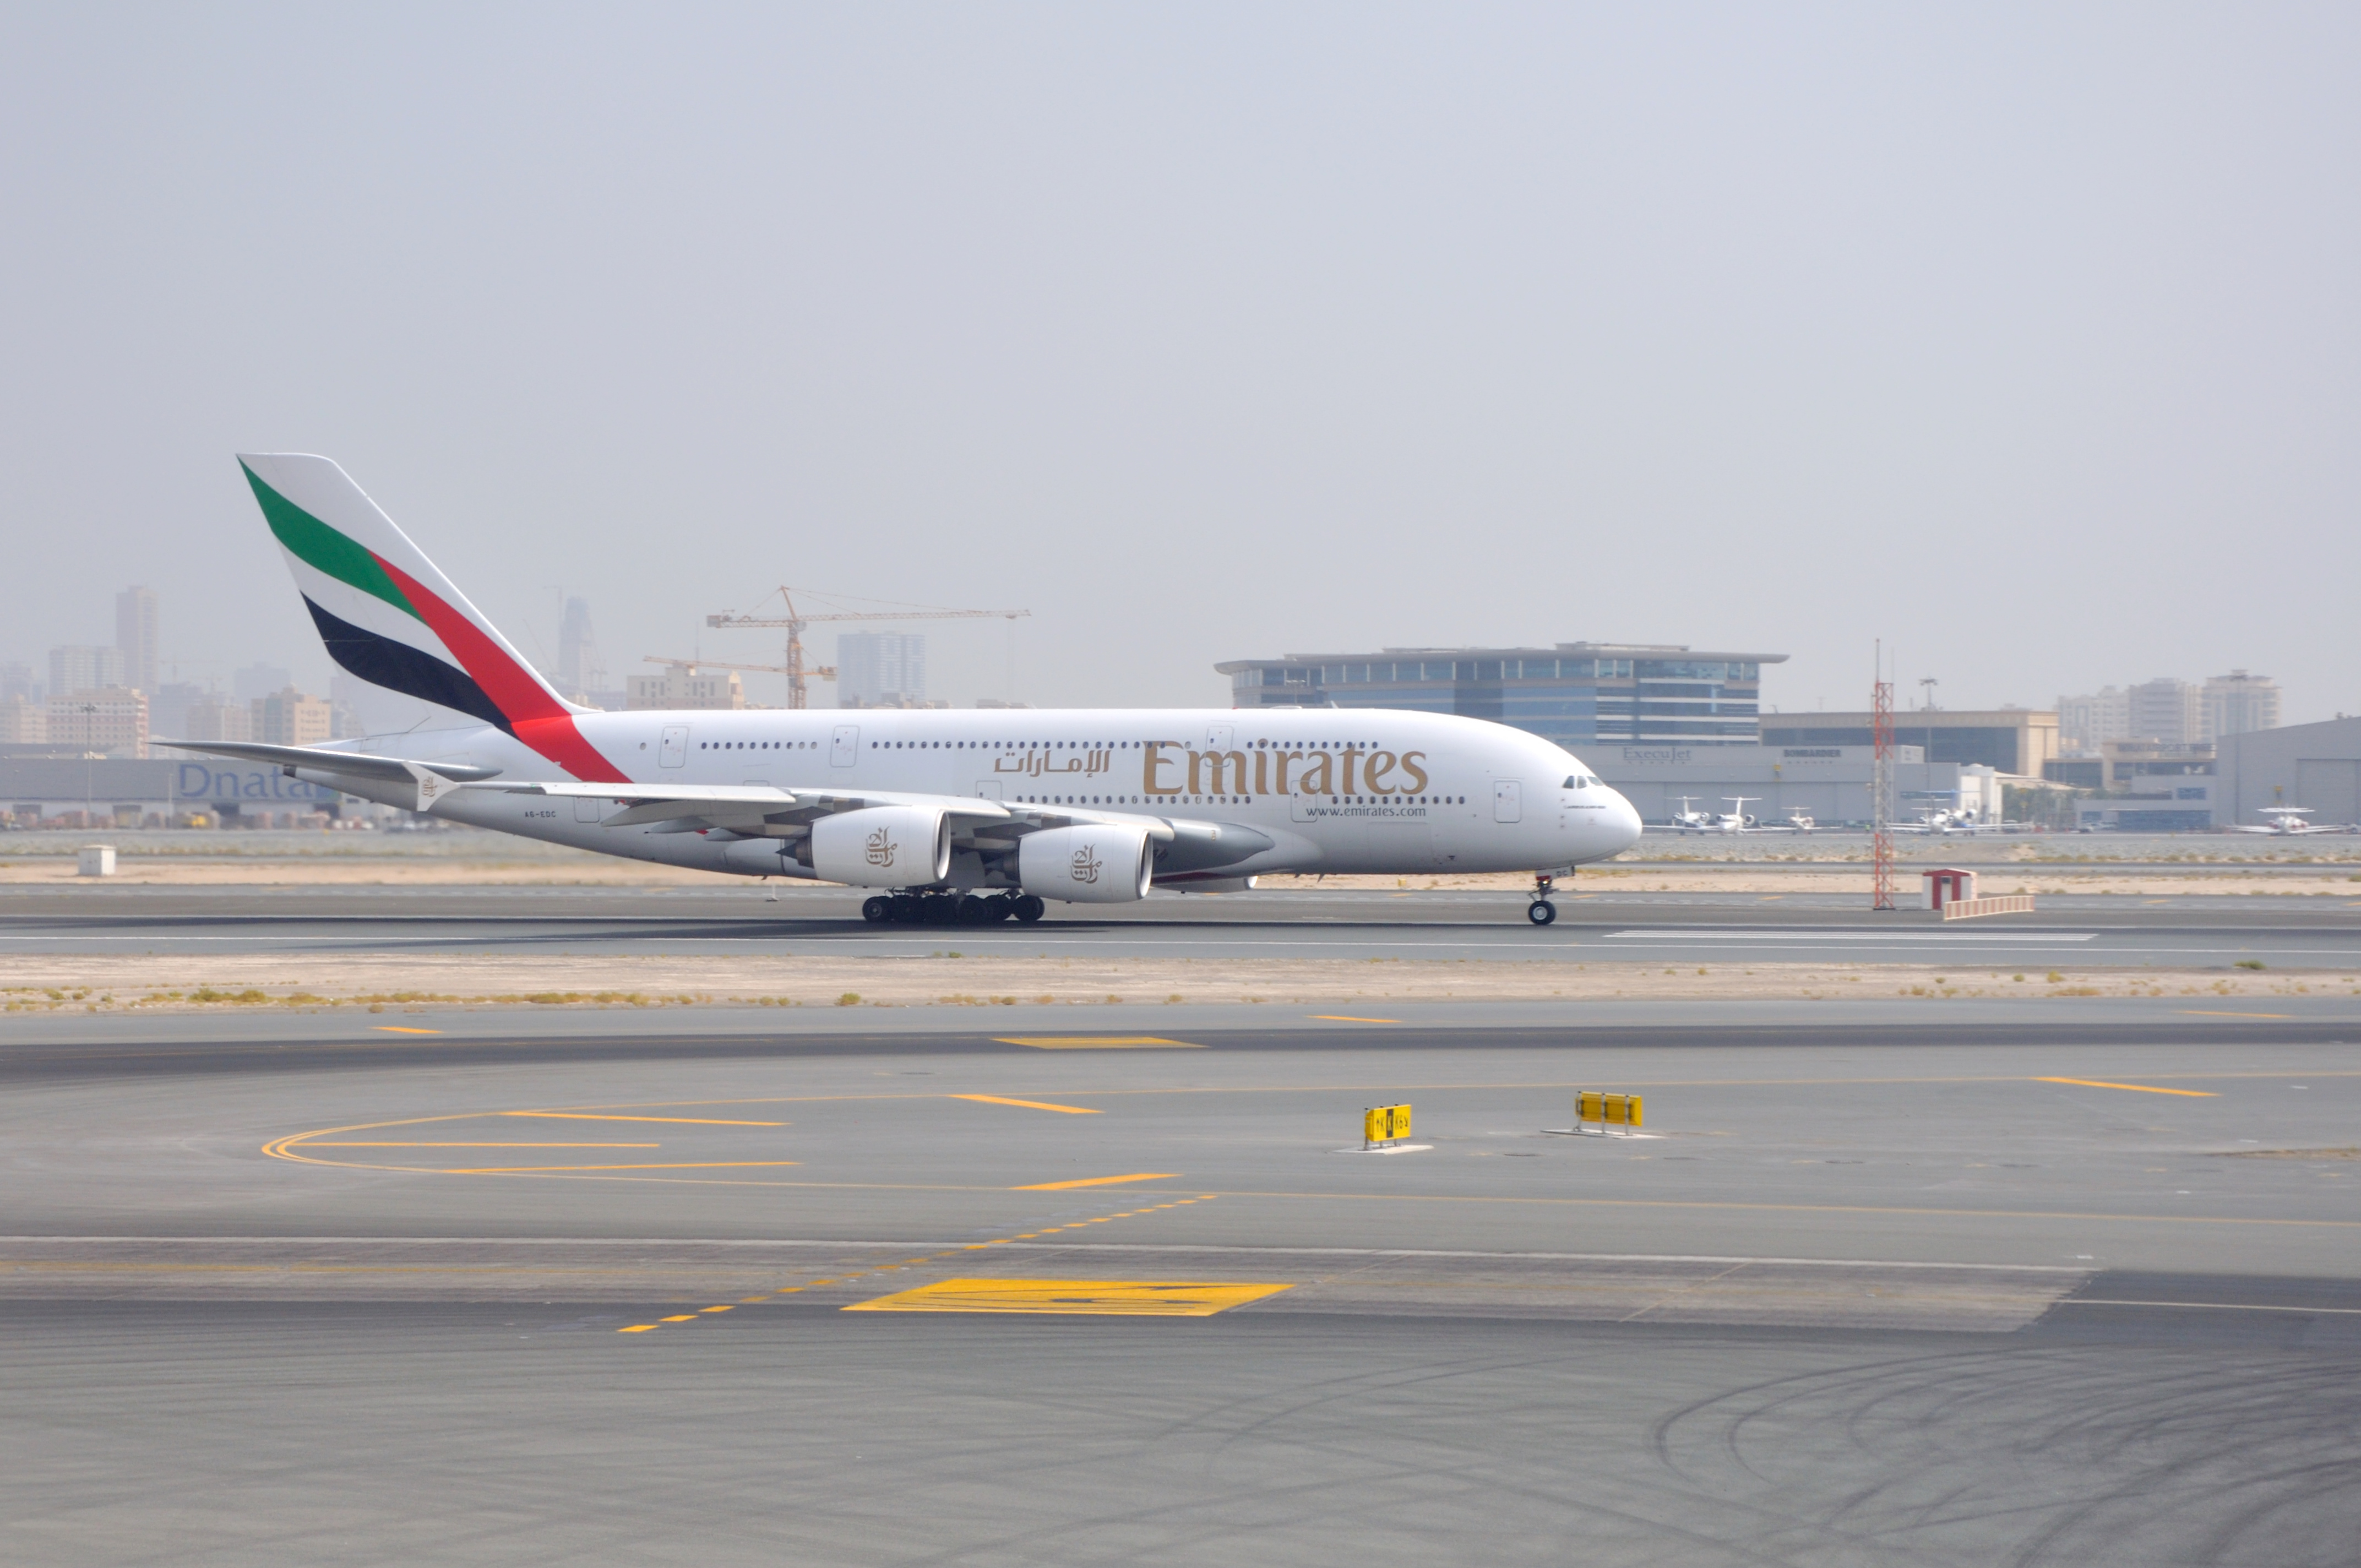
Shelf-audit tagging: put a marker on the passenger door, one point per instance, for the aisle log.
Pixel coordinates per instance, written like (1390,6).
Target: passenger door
(845,746)
(1508,800)
(674,751)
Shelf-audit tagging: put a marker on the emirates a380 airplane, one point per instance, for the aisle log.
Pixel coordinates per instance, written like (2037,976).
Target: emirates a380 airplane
(969,816)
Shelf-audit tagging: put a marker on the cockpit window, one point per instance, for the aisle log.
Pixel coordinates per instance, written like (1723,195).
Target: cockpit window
(1576,781)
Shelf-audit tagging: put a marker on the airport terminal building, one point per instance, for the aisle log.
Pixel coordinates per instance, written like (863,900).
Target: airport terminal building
(1580,695)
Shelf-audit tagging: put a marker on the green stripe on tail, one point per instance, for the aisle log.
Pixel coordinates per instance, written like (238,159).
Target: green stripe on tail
(316,544)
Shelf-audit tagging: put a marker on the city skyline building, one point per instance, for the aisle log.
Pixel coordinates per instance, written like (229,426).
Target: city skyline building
(111,720)
(290,718)
(2239,704)
(2087,722)
(579,670)
(76,667)
(2168,711)
(138,619)
(685,685)
(1576,694)
(881,669)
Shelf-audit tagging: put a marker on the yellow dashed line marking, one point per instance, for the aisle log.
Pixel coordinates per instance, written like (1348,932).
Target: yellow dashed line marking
(1098,1181)
(1079,1295)
(692,1164)
(2209,1013)
(1122,1297)
(2135,1087)
(1341,1018)
(1029,1104)
(678,1121)
(1096,1043)
(400,1029)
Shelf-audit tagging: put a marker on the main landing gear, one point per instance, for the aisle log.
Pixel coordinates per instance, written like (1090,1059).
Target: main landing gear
(1541,911)
(951,909)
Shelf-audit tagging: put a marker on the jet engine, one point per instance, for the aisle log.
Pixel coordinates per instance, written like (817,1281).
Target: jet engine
(882,845)
(1095,863)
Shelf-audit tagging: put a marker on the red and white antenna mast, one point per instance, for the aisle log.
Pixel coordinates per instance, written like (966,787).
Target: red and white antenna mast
(1881,787)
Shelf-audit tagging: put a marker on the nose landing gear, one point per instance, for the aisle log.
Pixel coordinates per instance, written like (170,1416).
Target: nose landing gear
(1541,911)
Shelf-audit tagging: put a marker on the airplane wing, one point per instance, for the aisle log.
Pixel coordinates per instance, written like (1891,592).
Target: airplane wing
(749,809)
(323,759)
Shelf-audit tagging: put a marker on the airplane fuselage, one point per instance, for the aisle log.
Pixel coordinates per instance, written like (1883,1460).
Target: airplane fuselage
(1333,790)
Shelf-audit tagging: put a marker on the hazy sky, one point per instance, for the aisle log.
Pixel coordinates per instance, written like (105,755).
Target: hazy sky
(2024,338)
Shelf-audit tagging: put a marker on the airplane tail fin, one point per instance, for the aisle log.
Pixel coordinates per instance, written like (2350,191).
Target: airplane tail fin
(391,618)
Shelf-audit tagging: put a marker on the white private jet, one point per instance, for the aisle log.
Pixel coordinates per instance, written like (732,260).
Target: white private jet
(1735,821)
(980,815)
(1964,820)
(2288,822)
(1686,820)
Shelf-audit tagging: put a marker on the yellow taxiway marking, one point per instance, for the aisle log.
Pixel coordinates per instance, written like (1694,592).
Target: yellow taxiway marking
(2209,1013)
(636,1329)
(1096,1043)
(1098,1181)
(713,1309)
(1029,1104)
(513,1143)
(1341,1018)
(695,1165)
(684,1318)
(1119,1298)
(679,1121)
(2135,1087)
(399,1029)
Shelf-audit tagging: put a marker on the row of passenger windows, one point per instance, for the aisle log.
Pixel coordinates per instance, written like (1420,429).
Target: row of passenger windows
(1022,745)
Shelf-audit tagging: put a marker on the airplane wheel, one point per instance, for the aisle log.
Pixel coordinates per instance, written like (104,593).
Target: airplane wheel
(1029,909)
(1541,912)
(974,911)
(876,911)
(1001,908)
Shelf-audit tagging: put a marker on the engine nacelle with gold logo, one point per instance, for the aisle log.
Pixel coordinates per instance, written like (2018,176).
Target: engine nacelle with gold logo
(882,845)
(1091,864)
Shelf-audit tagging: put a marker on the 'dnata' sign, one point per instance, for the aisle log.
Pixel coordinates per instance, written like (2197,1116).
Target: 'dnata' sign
(203,781)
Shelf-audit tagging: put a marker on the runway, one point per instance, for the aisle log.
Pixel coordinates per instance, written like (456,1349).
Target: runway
(2031,1286)
(2191,931)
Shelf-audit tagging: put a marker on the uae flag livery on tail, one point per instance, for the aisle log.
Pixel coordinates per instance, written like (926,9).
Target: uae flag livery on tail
(390,618)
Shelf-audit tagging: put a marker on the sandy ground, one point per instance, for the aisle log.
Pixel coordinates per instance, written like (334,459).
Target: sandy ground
(390,980)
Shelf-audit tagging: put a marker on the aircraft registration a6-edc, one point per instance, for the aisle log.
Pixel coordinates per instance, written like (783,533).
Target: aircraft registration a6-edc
(976,814)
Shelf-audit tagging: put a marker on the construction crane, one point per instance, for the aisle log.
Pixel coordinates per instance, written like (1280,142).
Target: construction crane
(794,621)
(823,672)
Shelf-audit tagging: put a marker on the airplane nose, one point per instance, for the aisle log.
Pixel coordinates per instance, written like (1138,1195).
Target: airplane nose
(1623,823)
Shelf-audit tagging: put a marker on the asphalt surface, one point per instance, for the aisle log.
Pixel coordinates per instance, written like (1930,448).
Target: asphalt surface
(2191,931)
(2033,1284)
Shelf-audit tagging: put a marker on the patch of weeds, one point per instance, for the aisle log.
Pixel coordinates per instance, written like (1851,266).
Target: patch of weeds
(849,999)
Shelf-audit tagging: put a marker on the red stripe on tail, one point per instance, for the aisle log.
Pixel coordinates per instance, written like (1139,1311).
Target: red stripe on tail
(535,717)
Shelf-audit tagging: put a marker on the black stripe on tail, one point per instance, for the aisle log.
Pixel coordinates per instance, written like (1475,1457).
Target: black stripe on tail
(396,666)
